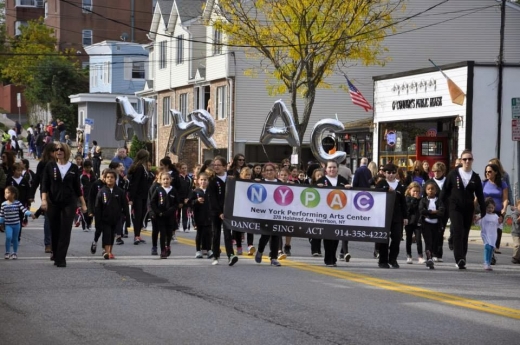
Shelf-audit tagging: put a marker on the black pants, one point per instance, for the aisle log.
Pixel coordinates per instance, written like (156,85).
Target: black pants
(461,221)
(60,220)
(386,255)
(274,246)
(97,235)
(344,247)
(165,226)
(96,166)
(86,221)
(203,238)
(155,232)
(429,230)
(438,238)
(331,247)
(109,232)
(139,209)
(410,230)
(315,245)
(185,221)
(217,230)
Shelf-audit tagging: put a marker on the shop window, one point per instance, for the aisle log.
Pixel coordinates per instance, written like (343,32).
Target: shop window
(431,148)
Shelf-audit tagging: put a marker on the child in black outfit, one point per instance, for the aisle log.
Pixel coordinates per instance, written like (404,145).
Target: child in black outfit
(413,193)
(164,203)
(109,211)
(94,190)
(432,209)
(200,205)
(87,179)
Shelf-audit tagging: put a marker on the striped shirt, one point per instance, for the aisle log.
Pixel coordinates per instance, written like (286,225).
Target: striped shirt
(10,212)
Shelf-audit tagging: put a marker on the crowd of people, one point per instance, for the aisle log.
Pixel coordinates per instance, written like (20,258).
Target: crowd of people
(128,192)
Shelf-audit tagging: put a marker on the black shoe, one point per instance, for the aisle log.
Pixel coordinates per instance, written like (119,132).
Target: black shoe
(61,264)
(450,244)
(383,265)
(493,260)
(119,241)
(461,265)
(347,257)
(93,248)
(287,250)
(394,264)
(154,251)
(341,256)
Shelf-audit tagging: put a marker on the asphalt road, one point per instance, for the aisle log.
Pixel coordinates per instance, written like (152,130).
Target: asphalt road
(140,299)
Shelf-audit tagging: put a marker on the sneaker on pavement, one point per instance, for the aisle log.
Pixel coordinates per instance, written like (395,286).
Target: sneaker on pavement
(233,260)
(93,248)
(258,257)
(168,251)
(430,264)
(119,241)
(136,241)
(141,240)
(239,251)
(439,260)
(251,250)
(48,249)
(275,262)
(198,255)
(14,256)
(394,264)
(315,254)
(461,265)
(106,256)
(347,257)
(215,262)
(154,251)
(6,256)
(111,256)
(174,239)
(210,254)
(421,260)
(383,265)
(409,260)
(164,255)
(488,267)
(287,250)
(435,259)
(281,256)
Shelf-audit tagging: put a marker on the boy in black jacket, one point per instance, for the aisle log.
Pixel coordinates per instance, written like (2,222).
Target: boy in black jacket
(109,211)
(432,209)
(387,257)
(94,190)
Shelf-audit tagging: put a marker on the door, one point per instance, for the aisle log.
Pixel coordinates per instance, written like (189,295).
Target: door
(432,149)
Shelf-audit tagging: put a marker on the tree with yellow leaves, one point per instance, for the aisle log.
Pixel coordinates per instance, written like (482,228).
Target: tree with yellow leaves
(305,41)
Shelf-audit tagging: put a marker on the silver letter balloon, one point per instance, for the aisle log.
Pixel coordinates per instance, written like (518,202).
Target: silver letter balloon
(287,132)
(140,122)
(320,128)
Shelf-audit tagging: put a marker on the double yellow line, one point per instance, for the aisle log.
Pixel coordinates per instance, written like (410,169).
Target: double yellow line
(453,300)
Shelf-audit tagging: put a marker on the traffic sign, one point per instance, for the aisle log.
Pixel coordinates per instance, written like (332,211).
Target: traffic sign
(515,126)
(515,107)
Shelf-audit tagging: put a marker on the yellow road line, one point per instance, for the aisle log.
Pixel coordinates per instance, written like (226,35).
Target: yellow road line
(394,286)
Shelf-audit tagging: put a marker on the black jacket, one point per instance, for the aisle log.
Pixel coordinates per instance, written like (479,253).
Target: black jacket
(61,191)
(342,182)
(426,213)
(217,193)
(412,210)
(139,184)
(24,189)
(460,198)
(164,205)
(201,212)
(399,206)
(91,200)
(87,180)
(111,206)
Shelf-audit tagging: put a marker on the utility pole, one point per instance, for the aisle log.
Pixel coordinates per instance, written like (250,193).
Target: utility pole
(500,75)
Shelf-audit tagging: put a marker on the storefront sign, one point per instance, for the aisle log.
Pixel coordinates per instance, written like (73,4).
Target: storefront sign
(515,126)
(391,138)
(308,211)
(515,108)
(432,132)
(417,103)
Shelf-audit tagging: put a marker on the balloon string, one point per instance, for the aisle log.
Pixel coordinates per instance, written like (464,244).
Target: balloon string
(266,155)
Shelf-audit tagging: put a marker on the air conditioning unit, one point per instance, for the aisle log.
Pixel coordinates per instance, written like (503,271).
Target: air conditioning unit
(87,9)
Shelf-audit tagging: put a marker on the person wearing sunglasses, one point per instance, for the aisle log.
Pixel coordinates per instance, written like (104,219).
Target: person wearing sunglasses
(61,189)
(239,161)
(461,187)
(389,251)
(496,188)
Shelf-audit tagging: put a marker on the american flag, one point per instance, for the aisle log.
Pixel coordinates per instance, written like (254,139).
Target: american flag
(357,97)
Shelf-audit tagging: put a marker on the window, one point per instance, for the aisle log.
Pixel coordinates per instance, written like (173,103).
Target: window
(180,49)
(87,37)
(93,76)
(86,6)
(183,103)
(217,42)
(17,25)
(221,103)
(29,3)
(138,70)
(166,111)
(46,10)
(163,54)
(106,72)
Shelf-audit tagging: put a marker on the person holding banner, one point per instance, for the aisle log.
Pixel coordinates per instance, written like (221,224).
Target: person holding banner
(332,179)
(461,187)
(217,193)
(269,171)
(388,252)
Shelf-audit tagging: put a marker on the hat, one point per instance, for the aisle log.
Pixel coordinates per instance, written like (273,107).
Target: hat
(390,167)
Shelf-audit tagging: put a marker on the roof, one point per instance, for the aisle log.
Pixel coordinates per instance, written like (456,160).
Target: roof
(189,9)
(166,9)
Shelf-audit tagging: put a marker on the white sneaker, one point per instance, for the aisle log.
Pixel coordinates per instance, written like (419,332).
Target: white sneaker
(421,260)
(198,255)
(174,239)
(215,262)
(440,260)
(435,259)
(488,267)
(409,260)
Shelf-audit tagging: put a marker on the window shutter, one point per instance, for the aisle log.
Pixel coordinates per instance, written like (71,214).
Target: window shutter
(128,69)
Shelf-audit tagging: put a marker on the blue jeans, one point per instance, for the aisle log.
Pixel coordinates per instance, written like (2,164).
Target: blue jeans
(62,136)
(46,232)
(488,254)
(11,236)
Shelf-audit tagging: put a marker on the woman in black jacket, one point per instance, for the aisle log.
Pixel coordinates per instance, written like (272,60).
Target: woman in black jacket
(332,179)
(138,191)
(461,187)
(60,191)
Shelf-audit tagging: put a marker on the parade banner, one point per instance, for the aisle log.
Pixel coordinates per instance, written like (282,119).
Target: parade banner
(308,211)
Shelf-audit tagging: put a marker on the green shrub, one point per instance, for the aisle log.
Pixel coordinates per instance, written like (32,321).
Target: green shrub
(135,146)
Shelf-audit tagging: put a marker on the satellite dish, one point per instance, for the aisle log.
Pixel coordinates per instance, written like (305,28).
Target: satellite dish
(124,37)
